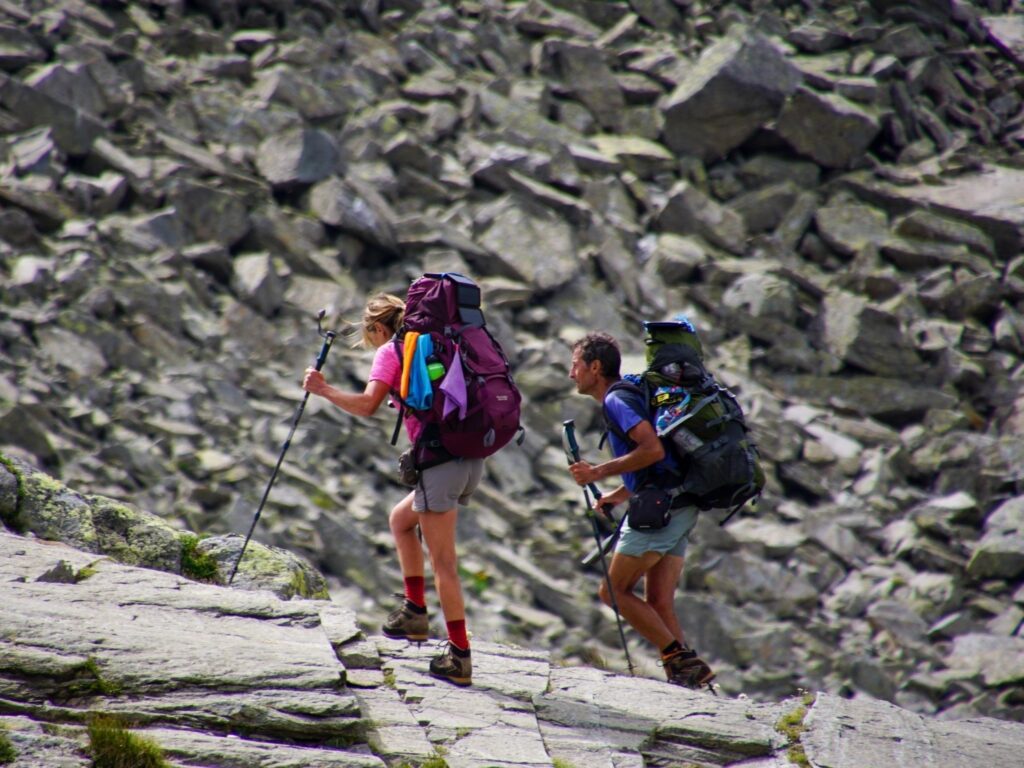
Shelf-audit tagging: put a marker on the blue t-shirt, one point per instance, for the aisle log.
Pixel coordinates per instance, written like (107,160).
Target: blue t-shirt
(627,410)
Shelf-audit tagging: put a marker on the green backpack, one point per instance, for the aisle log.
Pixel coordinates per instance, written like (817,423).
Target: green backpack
(699,421)
(658,333)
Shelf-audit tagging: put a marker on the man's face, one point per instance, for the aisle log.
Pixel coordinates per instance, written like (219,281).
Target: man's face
(585,376)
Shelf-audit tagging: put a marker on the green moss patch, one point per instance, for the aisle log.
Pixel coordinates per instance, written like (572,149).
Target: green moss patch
(87,572)
(322,500)
(112,745)
(300,584)
(436,761)
(91,682)
(11,517)
(197,565)
(476,581)
(791,725)
(8,754)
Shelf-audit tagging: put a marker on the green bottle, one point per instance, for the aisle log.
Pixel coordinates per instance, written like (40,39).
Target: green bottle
(435,370)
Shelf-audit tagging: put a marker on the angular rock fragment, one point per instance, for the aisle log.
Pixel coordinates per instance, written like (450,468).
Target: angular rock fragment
(829,129)
(737,86)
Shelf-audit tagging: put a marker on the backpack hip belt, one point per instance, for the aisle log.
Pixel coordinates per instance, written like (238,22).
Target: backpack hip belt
(680,498)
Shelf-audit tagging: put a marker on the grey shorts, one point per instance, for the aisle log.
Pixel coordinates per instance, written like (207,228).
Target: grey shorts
(444,487)
(670,540)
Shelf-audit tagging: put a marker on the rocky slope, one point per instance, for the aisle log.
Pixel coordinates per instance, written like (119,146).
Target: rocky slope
(219,677)
(827,189)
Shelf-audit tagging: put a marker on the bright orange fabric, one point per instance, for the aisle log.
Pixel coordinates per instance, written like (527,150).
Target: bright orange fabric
(408,352)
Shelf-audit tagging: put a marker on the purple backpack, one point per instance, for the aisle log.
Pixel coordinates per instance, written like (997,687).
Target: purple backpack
(475,405)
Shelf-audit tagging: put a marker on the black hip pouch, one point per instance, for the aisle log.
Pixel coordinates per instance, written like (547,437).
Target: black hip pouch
(650,509)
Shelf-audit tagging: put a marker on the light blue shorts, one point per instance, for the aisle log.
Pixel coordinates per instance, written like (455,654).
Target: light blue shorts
(670,540)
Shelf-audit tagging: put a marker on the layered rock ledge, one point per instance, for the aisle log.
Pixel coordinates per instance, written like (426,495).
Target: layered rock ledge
(221,677)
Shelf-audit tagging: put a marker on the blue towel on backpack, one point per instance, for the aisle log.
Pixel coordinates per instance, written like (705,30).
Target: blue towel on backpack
(421,394)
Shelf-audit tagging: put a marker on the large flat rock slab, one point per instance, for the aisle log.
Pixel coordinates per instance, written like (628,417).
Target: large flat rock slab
(35,745)
(395,733)
(41,746)
(855,733)
(989,198)
(491,724)
(666,724)
(193,748)
(157,649)
(152,631)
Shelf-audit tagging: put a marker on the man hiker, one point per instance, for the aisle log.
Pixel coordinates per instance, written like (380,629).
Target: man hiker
(656,556)
(447,485)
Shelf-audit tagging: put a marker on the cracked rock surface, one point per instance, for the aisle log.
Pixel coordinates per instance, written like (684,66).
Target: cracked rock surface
(221,677)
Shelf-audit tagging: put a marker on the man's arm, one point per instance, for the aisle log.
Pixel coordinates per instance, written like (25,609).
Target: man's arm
(648,450)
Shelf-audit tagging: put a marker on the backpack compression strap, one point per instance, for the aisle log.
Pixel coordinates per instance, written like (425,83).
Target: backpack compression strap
(395,395)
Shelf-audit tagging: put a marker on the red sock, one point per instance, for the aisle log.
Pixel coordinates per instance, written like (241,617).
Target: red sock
(415,590)
(457,634)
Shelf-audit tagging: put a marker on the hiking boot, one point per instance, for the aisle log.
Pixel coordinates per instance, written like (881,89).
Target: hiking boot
(453,665)
(406,623)
(687,669)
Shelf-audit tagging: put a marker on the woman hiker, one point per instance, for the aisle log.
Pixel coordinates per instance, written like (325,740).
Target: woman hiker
(453,481)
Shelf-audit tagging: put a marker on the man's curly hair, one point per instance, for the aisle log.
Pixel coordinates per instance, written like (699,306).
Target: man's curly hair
(602,347)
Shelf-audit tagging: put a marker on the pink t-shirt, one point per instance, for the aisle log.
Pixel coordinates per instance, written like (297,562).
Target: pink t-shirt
(388,368)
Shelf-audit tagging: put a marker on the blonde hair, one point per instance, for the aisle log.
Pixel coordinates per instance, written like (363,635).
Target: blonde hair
(383,308)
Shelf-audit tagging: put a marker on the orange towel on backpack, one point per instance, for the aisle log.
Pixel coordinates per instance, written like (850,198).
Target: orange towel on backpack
(408,352)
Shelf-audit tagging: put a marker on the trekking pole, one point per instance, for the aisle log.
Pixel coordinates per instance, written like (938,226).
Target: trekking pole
(328,337)
(572,453)
(605,545)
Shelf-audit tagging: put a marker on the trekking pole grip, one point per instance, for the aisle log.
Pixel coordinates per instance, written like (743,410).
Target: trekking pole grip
(572,452)
(328,340)
(322,357)
(571,446)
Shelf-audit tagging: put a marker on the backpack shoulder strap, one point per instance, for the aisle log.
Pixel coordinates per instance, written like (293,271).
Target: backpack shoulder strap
(396,395)
(622,385)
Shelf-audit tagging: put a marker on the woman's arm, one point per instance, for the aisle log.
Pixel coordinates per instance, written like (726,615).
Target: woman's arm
(363,403)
